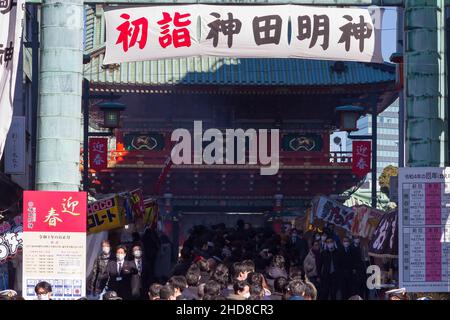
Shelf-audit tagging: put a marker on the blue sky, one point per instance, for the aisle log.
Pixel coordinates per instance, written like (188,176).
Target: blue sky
(389,34)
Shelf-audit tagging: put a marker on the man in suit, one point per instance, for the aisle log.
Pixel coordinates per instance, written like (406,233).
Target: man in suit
(119,274)
(298,246)
(140,274)
(330,271)
(348,270)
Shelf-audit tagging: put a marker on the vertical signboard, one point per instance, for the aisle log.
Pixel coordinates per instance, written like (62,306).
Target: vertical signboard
(361,155)
(11,16)
(15,147)
(54,243)
(98,153)
(424,226)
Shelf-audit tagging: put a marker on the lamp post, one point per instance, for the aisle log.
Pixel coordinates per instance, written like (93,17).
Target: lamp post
(111,112)
(349,116)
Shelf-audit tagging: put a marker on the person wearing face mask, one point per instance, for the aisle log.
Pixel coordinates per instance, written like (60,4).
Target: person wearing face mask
(99,276)
(139,279)
(348,269)
(119,274)
(323,239)
(43,291)
(329,271)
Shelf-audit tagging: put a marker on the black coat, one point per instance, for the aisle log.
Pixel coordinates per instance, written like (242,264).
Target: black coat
(299,248)
(346,260)
(120,283)
(99,276)
(139,281)
(327,258)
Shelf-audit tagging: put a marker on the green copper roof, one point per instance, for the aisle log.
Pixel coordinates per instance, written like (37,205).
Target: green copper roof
(232,71)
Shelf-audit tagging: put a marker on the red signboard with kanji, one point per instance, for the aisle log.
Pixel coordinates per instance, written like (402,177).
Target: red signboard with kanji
(98,153)
(54,211)
(362,151)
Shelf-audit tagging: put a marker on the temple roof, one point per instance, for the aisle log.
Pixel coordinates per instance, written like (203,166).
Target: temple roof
(239,71)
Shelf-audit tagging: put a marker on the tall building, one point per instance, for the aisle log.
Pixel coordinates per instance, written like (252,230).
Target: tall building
(387,139)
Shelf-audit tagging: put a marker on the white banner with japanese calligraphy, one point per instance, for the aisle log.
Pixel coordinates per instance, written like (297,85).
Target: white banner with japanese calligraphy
(282,31)
(11,16)
(137,34)
(244,31)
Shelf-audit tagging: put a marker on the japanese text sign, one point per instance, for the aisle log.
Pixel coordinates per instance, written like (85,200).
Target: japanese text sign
(334,212)
(98,153)
(361,156)
(15,147)
(11,24)
(54,211)
(157,32)
(137,202)
(105,214)
(365,221)
(424,229)
(54,243)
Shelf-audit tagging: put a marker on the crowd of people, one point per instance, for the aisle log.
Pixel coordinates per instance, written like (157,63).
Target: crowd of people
(240,263)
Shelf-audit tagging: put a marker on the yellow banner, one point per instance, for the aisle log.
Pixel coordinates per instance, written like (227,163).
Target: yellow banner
(150,215)
(105,214)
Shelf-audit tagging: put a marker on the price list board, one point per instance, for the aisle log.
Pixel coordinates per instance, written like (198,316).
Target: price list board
(424,226)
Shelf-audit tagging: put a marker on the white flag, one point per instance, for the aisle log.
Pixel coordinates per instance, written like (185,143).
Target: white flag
(11,16)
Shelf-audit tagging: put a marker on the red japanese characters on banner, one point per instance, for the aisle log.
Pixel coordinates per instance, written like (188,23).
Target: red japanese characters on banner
(54,211)
(140,28)
(180,37)
(98,153)
(362,151)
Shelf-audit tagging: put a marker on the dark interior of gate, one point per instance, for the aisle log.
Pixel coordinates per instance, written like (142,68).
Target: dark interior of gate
(297,97)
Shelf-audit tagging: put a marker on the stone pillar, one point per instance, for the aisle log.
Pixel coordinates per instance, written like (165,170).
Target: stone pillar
(59,114)
(425,83)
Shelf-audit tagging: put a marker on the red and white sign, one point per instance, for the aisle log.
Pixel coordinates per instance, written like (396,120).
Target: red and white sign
(54,243)
(98,153)
(158,32)
(362,151)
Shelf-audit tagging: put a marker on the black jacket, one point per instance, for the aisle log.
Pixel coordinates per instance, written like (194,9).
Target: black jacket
(329,257)
(120,283)
(139,281)
(346,260)
(99,276)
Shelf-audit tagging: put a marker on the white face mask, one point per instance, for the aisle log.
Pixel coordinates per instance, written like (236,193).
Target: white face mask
(247,295)
(137,253)
(120,257)
(43,297)
(106,250)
